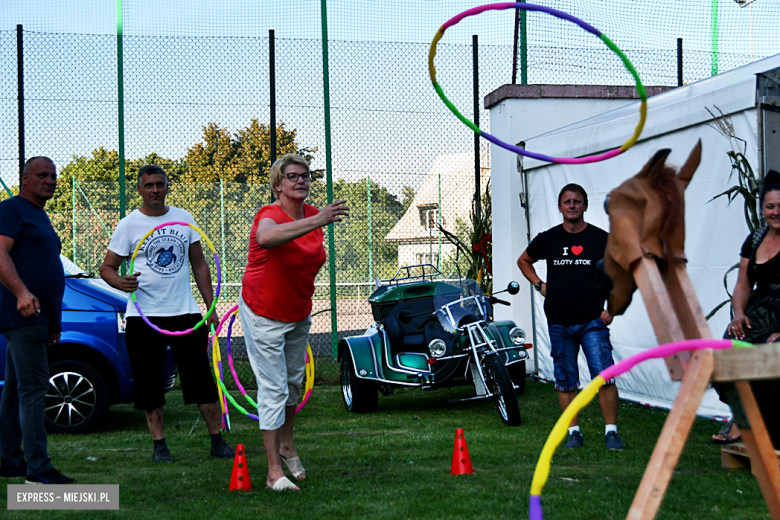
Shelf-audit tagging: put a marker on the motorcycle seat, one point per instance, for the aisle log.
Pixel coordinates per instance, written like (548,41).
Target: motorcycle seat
(414,339)
(402,334)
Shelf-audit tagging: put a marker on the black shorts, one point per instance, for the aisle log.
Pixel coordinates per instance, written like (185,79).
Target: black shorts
(146,348)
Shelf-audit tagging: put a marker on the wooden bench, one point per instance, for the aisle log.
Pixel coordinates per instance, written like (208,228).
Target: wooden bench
(735,456)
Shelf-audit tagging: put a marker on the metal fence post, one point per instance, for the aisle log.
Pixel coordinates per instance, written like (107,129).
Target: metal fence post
(714,29)
(521,35)
(514,45)
(523,46)
(222,220)
(334,331)
(475,62)
(438,217)
(370,234)
(73,188)
(20,90)
(121,113)
(272,88)
(679,62)
(6,188)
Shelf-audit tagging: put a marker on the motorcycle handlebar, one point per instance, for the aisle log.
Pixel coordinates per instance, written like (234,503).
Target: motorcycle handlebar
(426,321)
(495,300)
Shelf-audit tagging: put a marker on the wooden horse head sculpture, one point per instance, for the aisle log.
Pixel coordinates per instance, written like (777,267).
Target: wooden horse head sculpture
(647,219)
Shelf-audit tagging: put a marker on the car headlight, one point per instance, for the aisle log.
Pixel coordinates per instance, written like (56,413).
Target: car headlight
(517,336)
(120,322)
(437,348)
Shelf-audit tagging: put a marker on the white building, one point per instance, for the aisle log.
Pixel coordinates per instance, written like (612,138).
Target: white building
(448,190)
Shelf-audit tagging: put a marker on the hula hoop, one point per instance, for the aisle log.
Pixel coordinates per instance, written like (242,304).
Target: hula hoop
(560,429)
(559,14)
(216,360)
(219,279)
(232,313)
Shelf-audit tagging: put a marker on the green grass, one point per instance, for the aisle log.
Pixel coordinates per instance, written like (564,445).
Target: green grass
(395,464)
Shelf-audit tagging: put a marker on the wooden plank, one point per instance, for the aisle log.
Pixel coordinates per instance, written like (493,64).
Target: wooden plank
(661,311)
(672,439)
(759,447)
(686,304)
(742,364)
(734,460)
(735,456)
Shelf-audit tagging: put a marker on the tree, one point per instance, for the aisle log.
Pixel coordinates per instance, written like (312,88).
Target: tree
(96,198)
(103,167)
(408,197)
(244,156)
(352,234)
(242,159)
(4,194)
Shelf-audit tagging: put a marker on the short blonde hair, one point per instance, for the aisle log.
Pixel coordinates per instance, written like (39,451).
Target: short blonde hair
(280,165)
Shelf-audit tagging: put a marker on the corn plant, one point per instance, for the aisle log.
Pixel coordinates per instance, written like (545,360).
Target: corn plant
(747,185)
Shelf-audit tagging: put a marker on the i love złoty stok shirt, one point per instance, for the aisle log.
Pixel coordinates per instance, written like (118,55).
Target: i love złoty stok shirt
(572,274)
(163,261)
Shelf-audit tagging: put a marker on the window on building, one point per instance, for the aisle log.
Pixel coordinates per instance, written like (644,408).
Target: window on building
(429,217)
(428,258)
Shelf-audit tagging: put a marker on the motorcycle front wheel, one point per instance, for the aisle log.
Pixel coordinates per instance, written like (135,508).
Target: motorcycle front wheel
(500,385)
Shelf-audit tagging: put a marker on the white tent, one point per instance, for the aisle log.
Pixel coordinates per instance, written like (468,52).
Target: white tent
(714,230)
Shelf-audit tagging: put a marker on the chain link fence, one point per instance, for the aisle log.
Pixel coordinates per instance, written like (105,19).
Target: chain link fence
(201,108)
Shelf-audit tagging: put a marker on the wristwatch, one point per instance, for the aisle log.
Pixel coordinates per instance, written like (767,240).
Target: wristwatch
(538,285)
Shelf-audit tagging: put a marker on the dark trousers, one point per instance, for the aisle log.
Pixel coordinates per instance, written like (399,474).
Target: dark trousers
(24,399)
(146,348)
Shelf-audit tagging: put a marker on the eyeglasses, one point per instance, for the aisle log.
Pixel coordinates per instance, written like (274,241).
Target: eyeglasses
(293,177)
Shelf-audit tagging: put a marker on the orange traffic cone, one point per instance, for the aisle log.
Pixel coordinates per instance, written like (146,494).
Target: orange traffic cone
(239,479)
(461,462)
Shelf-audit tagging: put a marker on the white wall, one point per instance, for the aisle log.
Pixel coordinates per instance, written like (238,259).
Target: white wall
(714,233)
(407,252)
(512,121)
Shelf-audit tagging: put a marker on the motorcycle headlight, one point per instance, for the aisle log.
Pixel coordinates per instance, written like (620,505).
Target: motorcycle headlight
(517,336)
(437,348)
(120,322)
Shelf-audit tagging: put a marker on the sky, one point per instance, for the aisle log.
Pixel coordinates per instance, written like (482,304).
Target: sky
(190,63)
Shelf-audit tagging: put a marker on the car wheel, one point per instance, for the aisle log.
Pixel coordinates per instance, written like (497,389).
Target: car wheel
(500,385)
(517,373)
(360,396)
(77,398)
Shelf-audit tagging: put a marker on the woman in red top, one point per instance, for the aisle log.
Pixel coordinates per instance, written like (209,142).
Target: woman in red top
(285,254)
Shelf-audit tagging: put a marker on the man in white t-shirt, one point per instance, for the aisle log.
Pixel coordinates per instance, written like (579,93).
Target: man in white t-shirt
(161,282)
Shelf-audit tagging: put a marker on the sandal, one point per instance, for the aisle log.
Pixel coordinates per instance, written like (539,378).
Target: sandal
(294,465)
(728,439)
(283,484)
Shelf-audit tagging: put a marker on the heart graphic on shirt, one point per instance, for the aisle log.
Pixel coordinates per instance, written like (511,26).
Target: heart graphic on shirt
(577,250)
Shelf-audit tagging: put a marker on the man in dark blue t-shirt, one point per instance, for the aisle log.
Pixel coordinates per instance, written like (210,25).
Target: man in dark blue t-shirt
(31,289)
(574,308)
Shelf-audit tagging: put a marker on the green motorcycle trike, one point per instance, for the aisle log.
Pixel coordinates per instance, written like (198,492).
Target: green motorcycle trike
(432,333)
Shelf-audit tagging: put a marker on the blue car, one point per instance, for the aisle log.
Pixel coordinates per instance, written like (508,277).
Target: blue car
(89,369)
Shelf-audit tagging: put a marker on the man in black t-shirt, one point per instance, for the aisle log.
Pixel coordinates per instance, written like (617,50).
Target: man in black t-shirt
(33,283)
(575,311)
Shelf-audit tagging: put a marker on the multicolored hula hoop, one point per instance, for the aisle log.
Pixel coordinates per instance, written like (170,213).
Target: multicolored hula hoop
(560,429)
(232,313)
(216,360)
(219,279)
(559,14)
